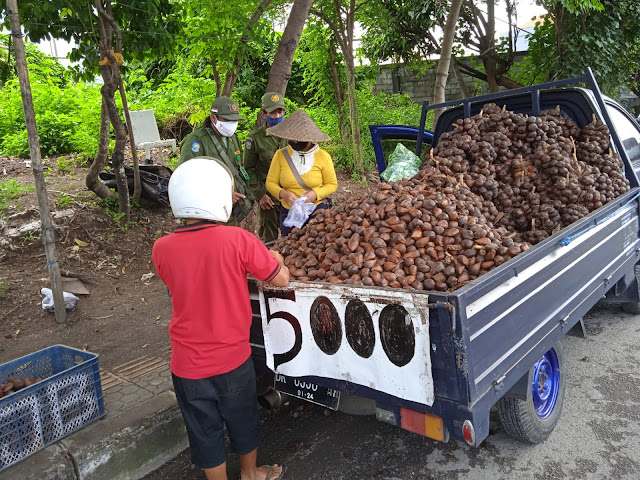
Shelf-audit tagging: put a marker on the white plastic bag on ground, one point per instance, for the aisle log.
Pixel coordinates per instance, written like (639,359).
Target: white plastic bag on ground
(299,212)
(70,300)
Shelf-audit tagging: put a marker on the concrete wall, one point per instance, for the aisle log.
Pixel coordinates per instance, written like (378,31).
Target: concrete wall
(419,85)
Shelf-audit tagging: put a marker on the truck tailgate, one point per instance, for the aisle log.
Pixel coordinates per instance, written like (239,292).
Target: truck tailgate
(375,337)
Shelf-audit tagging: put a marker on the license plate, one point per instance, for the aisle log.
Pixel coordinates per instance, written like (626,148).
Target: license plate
(308,391)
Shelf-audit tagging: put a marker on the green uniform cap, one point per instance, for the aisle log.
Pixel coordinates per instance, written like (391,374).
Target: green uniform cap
(272,101)
(226,108)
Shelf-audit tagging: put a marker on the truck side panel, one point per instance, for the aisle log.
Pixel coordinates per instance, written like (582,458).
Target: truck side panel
(508,313)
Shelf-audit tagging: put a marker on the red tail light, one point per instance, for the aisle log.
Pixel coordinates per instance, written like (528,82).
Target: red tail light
(468,432)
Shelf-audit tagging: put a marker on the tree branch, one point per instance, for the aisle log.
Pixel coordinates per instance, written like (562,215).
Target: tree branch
(339,35)
(361,4)
(338,6)
(502,81)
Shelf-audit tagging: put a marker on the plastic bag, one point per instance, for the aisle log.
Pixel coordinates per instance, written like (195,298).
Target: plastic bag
(403,163)
(70,300)
(299,213)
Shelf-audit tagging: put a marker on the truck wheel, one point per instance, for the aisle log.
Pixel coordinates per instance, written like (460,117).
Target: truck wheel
(631,308)
(534,419)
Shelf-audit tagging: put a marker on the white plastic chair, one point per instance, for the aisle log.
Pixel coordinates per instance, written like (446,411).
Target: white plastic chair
(145,131)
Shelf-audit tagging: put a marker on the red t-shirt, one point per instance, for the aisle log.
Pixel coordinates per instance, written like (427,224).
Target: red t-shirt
(205,267)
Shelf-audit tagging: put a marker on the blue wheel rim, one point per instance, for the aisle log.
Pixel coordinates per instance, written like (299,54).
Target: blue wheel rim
(546,383)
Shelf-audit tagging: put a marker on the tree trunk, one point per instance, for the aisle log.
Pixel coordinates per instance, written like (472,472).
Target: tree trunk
(338,90)
(216,76)
(48,238)
(137,187)
(117,158)
(229,82)
(558,23)
(489,57)
(343,32)
(459,78)
(110,72)
(92,180)
(442,71)
(356,140)
(281,67)
(490,65)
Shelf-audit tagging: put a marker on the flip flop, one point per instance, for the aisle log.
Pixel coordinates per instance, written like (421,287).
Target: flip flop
(269,477)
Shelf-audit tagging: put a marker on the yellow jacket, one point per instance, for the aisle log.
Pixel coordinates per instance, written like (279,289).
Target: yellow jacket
(321,178)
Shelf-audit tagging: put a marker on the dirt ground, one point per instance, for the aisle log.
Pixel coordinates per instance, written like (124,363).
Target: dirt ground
(127,311)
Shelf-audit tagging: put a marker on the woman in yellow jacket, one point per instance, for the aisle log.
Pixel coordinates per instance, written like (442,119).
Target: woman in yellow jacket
(313,165)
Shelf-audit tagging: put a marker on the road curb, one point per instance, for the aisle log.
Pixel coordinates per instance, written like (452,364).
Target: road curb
(127,446)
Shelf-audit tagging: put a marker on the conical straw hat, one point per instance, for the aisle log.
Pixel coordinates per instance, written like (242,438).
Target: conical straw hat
(298,127)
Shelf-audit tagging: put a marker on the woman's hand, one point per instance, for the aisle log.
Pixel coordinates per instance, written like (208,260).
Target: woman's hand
(237,196)
(312,196)
(288,197)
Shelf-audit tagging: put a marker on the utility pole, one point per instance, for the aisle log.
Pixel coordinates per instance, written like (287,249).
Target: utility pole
(48,238)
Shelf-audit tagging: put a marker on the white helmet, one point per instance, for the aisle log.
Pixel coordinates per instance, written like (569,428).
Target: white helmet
(202,188)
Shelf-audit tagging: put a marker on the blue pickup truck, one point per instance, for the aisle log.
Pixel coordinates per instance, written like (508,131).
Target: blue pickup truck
(435,363)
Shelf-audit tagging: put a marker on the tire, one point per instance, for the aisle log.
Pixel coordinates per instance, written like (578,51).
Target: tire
(533,420)
(631,308)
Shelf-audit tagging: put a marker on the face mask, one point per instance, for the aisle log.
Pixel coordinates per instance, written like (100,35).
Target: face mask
(274,121)
(227,129)
(298,146)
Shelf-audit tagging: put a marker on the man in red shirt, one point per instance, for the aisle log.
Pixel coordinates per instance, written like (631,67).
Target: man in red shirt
(205,264)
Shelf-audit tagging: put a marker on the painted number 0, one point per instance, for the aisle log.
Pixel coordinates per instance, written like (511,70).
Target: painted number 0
(395,326)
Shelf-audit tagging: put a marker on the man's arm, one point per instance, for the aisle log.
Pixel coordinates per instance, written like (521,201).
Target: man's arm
(282,277)
(190,148)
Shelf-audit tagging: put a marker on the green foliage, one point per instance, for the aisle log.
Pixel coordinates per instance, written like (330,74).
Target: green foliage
(10,189)
(30,237)
(111,207)
(578,6)
(66,116)
(400,31)
(601,34)
(148,27)
(4,286)
(68,119)
(173,160)
(224,33)
(37,62)
(63,200)
(180,92)
(65,164)
(313,53)
(375,109)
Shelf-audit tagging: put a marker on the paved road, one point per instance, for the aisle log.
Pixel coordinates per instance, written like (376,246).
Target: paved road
(598,436)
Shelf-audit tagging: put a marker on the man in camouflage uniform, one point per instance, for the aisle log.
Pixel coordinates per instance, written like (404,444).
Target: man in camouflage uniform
(217,138)
(258,152)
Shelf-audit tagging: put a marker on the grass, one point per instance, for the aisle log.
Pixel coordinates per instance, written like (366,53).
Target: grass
(10,189)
